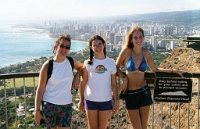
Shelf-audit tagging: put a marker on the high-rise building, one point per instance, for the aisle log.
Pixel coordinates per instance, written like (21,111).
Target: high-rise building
(151,31)
(163,44)
(154,42)
(168,30)
(175,31)
(118,38)
(172,45)
(112,38)
(109,47)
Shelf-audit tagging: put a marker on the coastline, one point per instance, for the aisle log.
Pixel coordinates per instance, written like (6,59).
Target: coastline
(19,45)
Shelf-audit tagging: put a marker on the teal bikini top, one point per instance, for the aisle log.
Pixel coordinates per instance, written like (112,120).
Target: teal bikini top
(130,65)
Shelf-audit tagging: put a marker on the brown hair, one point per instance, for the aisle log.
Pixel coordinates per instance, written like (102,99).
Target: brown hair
(64,37)
(128,43)
(95,37)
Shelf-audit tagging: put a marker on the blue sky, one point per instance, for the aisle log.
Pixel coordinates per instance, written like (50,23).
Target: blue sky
(32,10)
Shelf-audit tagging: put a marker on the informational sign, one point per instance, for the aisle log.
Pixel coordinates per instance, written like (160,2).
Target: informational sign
(173,90)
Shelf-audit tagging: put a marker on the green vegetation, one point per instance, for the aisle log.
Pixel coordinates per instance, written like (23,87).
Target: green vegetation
(158,57)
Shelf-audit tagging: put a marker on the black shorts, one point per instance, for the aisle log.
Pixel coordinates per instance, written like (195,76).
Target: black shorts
(138,98)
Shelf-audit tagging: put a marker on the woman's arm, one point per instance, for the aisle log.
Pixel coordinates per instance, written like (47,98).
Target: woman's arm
(114,90)
(76,81)
(121,62)
(82,89)
(40,91)
(153,67)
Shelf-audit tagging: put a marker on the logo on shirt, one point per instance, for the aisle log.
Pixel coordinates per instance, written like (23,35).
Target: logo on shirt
(100,69)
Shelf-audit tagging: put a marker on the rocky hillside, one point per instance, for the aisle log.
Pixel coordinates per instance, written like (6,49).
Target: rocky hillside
(186,59)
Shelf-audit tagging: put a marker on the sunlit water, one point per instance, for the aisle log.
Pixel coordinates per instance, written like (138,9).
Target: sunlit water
(18,45)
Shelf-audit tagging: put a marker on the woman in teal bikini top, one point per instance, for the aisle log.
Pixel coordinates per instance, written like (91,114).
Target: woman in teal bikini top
(138,102)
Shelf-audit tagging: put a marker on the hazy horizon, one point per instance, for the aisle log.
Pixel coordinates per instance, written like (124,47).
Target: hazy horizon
(31,10)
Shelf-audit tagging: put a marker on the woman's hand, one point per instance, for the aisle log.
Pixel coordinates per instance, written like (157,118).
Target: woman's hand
(180,72)
(115,108)
(123,87)
(80,105)
(124,84)
(38,116)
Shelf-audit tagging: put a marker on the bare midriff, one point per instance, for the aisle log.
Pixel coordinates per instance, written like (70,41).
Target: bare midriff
(135,79)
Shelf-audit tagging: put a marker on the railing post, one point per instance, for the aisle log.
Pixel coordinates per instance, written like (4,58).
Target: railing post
(15,101)
(34,96)
(188,113)
(25,106)
(153,116)
(170,109)
(5,98)
(178,115)
(198,103)
(118,87)
(161,115)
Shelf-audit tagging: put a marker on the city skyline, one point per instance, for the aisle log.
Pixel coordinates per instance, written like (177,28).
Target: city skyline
(31,10)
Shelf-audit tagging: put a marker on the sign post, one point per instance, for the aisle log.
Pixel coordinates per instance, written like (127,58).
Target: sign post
(173,90)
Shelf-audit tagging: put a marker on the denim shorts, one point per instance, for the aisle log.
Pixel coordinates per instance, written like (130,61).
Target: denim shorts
(101,106)
(138,98)
(57,115)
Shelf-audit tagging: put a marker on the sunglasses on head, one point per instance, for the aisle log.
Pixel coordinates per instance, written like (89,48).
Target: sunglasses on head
(66,47)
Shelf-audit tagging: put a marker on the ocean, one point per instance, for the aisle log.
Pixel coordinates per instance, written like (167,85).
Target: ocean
(18,45)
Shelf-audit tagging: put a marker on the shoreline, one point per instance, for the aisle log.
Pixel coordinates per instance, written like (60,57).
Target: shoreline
(20,52)
(39,60)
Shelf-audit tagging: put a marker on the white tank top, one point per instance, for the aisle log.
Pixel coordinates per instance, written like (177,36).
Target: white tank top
(58,88)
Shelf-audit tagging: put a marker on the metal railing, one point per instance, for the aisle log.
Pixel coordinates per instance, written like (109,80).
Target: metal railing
(17,93)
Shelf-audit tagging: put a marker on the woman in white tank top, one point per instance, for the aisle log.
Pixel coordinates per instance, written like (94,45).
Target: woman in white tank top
(55,94)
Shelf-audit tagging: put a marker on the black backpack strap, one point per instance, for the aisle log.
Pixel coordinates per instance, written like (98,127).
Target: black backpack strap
(50,68)
(71,61)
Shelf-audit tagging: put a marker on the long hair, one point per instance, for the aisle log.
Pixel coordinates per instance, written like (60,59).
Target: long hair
(64,37)
(95,37)
(129,43)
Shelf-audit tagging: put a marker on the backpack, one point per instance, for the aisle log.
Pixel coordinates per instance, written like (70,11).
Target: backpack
(50,67)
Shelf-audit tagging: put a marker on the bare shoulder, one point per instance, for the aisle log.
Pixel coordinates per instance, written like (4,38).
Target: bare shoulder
(126,50)
(146,53)
(46,63)
(45,66)
(124,54)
